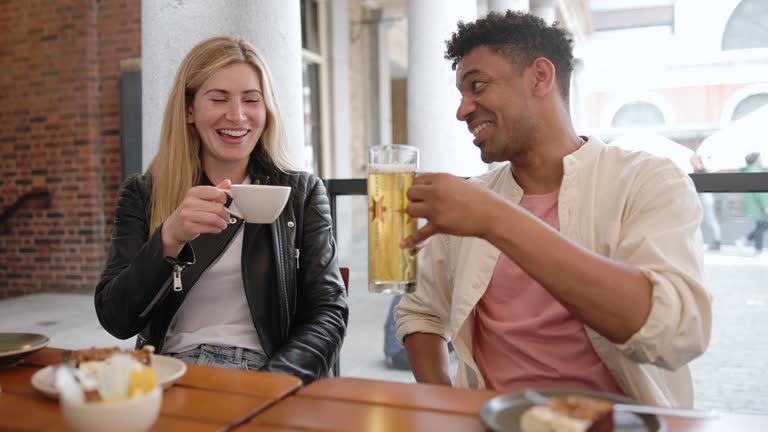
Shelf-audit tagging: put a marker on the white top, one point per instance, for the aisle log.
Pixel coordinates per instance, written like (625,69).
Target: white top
(216,311)
(627,206)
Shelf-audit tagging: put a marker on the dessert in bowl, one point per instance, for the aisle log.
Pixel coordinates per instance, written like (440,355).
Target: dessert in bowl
(119,393)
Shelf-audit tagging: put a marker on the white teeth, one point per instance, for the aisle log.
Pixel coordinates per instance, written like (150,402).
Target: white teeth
(479,128)
(233,132)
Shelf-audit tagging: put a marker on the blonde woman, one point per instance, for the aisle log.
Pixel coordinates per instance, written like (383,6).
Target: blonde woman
(184,278)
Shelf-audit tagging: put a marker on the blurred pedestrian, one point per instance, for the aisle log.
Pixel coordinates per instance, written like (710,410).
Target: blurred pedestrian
(756,204)
(707,200)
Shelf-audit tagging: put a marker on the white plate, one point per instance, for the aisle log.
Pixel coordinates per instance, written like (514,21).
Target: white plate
(14,346)
(168,370)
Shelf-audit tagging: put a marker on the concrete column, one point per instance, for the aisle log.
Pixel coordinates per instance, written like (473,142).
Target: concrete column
(445,143)
(579,103)
(384,86)
(503,5)
(342,155)
(545,9)
(170,28)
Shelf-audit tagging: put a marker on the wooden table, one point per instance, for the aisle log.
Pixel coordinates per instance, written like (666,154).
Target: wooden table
(352,404)
(210,399)
(204,399)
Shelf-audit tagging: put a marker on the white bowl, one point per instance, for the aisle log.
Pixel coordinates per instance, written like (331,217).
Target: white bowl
(132,415)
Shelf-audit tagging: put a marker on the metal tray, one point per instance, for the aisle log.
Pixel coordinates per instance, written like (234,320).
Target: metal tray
(503,412)
(15,346)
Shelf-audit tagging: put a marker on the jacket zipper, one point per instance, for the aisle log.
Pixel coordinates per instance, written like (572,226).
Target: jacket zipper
(298,253)
(281,238)
(177,277)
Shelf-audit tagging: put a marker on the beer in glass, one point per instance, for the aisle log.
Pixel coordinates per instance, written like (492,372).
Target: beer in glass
(391,270)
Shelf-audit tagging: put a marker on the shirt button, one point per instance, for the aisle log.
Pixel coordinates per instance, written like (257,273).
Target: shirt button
(477,286)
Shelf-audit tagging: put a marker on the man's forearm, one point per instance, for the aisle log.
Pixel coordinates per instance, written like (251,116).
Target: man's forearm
(428,355)
(611,297)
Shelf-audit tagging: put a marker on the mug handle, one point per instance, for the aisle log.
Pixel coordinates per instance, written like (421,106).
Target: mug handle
(234,213)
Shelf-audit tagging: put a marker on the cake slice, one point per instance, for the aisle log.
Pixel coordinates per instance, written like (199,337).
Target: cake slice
(143,355)
(569,414)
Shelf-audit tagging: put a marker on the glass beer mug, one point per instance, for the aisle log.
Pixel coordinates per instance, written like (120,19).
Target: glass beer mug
(391,169)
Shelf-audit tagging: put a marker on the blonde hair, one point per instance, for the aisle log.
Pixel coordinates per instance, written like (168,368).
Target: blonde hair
(177,166)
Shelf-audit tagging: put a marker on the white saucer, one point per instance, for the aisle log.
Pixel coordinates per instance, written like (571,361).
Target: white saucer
(168,370)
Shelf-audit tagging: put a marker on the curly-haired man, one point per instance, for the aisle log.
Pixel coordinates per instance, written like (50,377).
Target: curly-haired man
(576,265)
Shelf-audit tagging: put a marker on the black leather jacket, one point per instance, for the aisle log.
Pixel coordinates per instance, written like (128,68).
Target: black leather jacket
(298,305)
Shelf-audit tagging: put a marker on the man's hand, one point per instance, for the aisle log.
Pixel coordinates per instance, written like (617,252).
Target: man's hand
(451,205)
(201,211)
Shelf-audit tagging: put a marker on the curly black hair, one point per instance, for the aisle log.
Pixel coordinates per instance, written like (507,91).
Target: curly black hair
(519,36)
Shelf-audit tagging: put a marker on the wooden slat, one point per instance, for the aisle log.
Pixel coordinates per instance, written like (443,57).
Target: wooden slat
(251,427)
(323,414)
(253,383)
(44,357)
(404,395)
(29,413)
(211,406)
(163,424)
(18,380)
(169,424)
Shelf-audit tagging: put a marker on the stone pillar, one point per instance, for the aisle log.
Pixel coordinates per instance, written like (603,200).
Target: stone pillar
(384,87)
(445,143)
(504,5)
(545,9)
(170,28)
(342,136)
(579,103)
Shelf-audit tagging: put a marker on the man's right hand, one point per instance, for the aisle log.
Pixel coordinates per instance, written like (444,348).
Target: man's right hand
(428,355)
(201,211)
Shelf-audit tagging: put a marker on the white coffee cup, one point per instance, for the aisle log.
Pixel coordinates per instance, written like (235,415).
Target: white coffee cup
(260,204)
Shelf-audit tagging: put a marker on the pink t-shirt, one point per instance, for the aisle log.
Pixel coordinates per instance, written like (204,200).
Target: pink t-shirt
(524,338)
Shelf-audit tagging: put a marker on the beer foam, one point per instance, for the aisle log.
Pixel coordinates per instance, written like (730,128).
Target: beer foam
(391,168)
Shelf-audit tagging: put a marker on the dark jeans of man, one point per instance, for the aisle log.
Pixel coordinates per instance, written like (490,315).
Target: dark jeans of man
(395,355)
(757,234)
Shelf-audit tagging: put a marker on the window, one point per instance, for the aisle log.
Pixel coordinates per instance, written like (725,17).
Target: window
(749,104)
(315,85)
(311,95)
(636,114)
(310,36)
(747,26)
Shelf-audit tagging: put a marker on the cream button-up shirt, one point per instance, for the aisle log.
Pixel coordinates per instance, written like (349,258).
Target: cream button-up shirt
(627,206)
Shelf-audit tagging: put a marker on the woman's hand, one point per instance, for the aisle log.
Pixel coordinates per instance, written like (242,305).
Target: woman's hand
(201,211)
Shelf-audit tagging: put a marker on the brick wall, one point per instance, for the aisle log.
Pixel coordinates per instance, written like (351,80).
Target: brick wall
(59,130)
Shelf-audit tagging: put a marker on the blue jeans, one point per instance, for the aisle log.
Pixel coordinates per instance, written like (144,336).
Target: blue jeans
(220,356)
(757,234)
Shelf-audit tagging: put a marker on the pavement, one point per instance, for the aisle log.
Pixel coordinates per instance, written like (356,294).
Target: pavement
(730,376)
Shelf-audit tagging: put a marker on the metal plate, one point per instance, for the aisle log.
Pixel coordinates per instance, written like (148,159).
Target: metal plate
(14,346)
(503,412)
